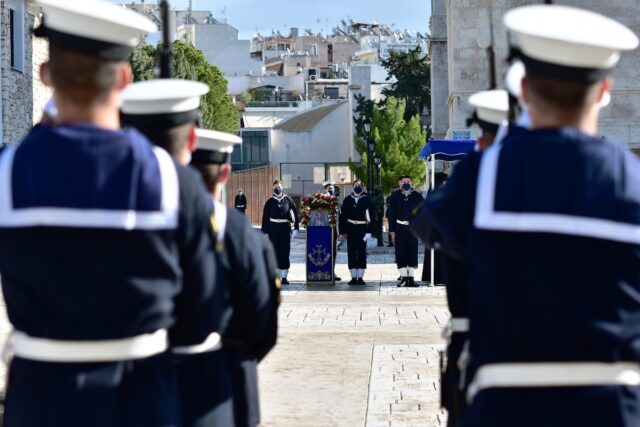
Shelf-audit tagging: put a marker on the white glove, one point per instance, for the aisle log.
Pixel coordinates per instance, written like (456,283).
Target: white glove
(294,234)
(366,237)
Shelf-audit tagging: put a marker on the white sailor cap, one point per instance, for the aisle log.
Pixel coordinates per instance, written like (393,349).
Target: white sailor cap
(161,103)
(213,147)
(491,109)
(94,27)
(568,43)
(325,184)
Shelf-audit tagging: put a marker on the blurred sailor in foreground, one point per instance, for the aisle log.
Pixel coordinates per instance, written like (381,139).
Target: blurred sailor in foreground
(548,223)
(166,111)
(92,219)
(248,264)
(490,110)
(355,224)
(278,214)
(401,208)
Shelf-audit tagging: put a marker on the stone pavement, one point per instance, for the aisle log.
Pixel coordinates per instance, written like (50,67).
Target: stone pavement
(355,356)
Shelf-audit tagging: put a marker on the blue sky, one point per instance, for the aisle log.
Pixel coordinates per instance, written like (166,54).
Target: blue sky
(246,15)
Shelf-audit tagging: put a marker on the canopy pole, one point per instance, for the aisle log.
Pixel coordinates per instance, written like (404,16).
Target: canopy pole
(433,187)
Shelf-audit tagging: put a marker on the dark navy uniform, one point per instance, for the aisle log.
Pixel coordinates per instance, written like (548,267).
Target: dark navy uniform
(249,331)
(355,223)
(553,259)
(102,237)
(240,203)
(252,329)
(400,212)
(277,216)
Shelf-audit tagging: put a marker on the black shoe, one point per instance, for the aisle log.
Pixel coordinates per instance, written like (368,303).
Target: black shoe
(361,281)
(284,281)
(411,283)
(400,279)
(402,282)
(336,278)
(390,245)
(353,281)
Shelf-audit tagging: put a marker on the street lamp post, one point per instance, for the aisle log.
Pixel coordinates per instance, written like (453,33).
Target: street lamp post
(371,145)
(379,198)
(367,130)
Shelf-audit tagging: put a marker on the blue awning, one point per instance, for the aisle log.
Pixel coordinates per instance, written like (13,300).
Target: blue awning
(447,149)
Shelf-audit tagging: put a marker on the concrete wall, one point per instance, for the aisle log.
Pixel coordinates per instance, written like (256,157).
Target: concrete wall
(327,142)
(468,36)
(23,94)
(221,47)
(439,69)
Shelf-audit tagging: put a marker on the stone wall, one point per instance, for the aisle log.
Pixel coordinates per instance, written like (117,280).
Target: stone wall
(23,94)
(469,35)
(439,69)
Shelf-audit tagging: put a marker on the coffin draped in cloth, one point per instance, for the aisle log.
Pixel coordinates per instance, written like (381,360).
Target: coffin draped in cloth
(319,215)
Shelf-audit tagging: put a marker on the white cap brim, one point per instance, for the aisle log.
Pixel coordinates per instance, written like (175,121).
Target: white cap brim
(491,106)
(212,140)
(162,96)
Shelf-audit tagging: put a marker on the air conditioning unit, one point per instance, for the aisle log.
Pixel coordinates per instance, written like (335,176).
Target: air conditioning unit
(313,78)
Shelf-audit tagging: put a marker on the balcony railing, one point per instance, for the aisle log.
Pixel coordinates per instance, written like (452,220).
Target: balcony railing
(272,104)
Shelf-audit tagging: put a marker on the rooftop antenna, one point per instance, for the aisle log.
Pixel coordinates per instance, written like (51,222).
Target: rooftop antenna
(223,14)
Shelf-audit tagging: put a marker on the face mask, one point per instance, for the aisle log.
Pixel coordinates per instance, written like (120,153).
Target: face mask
(331,192)
(357,190)
(277,190)
(406,186)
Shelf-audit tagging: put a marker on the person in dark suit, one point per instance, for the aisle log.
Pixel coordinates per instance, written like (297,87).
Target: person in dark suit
(240,202)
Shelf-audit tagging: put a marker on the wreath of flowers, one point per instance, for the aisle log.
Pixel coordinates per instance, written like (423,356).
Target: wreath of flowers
(319,201)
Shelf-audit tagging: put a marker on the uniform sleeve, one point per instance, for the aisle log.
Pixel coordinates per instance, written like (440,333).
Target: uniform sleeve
(265,218)
(391,213)
(446,217)
(195,317)
(252,291)
(296,218)
(369,207)
(344,215)
(270,335)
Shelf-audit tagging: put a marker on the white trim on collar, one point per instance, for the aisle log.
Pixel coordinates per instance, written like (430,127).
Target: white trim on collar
(165,218)
(487,218)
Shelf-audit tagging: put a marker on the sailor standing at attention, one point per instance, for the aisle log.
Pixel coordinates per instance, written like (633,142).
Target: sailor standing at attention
(248,264)
(553,252)
(355,224)
(401,207)
(166,111)
(278,215)
(92,221)
(490,109)
(330,190)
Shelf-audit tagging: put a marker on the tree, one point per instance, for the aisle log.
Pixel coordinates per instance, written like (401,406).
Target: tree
(412,71)
(398,144)
(218,110)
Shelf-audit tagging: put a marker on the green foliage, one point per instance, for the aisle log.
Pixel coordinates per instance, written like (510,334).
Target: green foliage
(398,144)
(413,73)
(218,110)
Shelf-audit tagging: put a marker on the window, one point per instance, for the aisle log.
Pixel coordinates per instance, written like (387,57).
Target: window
(255,148)
(16,34)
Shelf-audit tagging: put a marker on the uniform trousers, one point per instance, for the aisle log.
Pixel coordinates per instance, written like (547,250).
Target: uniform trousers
(406,247)
(205,388)
(140,392)
(280,236)
(357,248)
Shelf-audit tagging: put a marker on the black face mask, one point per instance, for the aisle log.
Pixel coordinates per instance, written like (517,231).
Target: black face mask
(331,192)
(406,187)
(277,190)
(357,190)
